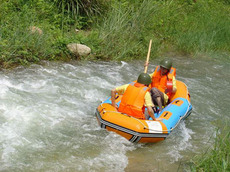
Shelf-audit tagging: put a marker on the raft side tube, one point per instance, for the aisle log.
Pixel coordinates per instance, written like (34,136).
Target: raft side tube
(173,113)
(135,128)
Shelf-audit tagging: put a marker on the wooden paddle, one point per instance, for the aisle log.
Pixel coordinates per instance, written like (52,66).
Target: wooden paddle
(148,55)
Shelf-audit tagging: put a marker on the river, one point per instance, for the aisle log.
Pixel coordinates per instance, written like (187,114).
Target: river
(48,123)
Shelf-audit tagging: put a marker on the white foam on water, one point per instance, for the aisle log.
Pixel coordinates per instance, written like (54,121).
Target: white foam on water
(181,138)
(16,122)
(112,157)
(49,111)
(6,83)
(47,120)
(3,87)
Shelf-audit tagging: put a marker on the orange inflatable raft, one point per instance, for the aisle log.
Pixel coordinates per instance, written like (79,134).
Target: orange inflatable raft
(136,130)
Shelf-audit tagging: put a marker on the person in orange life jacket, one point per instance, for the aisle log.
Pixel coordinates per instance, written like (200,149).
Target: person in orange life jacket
(136,97)
(163,83)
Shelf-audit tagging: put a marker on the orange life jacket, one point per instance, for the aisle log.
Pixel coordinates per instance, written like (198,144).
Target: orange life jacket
(132,102)
(159,81)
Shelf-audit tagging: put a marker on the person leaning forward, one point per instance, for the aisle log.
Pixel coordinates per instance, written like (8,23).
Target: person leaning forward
(163,83)
(135,98)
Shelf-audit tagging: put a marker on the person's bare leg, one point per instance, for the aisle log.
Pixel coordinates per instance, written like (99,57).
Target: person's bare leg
(159,103)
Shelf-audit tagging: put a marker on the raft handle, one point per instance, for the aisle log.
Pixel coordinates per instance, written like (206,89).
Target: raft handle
(166,114)
(116,97)
(102,110)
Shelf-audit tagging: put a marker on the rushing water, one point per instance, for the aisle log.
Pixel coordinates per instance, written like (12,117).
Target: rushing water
(47,120)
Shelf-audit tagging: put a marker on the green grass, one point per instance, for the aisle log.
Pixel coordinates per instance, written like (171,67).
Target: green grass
(217,158)
(125,32)
(114,30)
(181,26)
(18,45)
(205,28)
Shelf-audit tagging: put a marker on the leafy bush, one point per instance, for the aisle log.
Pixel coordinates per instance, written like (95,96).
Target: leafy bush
(113,29)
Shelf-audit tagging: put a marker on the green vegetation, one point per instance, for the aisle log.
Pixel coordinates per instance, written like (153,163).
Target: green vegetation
(57,21)
(118,30)
(112,29)
(216,159)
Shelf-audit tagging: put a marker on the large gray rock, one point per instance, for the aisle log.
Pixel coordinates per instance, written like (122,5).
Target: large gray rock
(79,49)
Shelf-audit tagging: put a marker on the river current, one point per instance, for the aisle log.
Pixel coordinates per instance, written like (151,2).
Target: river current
(48,123)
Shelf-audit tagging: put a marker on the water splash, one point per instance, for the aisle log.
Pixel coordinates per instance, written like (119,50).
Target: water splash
(47,120)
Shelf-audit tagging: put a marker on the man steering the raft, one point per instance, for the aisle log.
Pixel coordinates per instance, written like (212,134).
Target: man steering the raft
(163,83)
(136,97)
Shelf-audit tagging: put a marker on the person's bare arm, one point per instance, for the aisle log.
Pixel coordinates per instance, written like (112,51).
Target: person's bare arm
(174,89)
(151,114)
(113,94)
(174,85)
